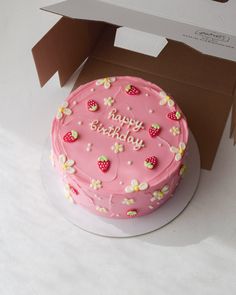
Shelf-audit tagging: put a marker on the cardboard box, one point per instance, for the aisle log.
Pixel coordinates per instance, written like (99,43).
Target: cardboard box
(203,86)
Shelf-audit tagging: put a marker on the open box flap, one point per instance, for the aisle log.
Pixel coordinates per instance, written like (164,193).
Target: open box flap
(209,39)
(205,13)
(64,48)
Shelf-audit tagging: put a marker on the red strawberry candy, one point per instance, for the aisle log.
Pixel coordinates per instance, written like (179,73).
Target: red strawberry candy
(92,105)
(154,130)
(103,163)
(70,136)
(176,116)
(151,162)
(73,190)
(132,213)
(132,90)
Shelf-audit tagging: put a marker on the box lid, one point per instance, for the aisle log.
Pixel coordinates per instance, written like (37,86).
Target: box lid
(205,25)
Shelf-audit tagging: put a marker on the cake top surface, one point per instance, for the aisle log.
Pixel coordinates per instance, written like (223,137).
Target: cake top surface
(112,131)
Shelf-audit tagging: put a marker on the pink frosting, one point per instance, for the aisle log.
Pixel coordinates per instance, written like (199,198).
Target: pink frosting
(112,200)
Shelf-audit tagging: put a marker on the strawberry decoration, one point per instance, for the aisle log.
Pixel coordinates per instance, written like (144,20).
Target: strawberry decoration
(132,213)
(103,163)
(73,190)
(71,136)
(175,116)
(92,105)
(151,162)
(154,130)
(132,90)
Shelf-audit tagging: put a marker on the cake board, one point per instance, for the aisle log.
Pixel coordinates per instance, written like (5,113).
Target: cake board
(122,228)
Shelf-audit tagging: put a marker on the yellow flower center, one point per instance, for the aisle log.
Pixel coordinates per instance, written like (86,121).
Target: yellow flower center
(61,110)
(181,151)
(64,166)
(160,195)
(167,98)
(136,188)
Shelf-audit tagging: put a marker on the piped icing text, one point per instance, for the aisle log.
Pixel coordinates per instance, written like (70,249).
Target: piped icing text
(115,132)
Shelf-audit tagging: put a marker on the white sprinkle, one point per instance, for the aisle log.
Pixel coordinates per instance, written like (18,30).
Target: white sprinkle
(88,149)
(121,182)
(92,89)
(151,111)
(150,207)
(146,94)
(129,108)
(79,123)
(89,144)
(159,144)
(74,102)
(129,162)
(117,215)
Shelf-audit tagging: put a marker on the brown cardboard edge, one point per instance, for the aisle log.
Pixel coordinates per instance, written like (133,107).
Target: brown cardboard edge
(233,120)
(67,37)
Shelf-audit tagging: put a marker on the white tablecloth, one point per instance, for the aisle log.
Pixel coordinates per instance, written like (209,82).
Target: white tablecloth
(42,253)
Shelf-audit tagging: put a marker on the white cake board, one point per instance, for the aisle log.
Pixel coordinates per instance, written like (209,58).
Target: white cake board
(122,227)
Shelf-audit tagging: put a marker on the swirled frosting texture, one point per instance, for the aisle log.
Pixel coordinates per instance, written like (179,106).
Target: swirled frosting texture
(119,144)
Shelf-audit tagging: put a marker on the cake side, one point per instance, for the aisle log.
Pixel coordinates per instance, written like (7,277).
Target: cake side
(119,144)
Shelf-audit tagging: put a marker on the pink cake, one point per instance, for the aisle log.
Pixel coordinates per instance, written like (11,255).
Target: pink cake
(119,144)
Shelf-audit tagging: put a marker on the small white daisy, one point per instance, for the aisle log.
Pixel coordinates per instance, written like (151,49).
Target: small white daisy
(96,184)
(135,186)
(63,110)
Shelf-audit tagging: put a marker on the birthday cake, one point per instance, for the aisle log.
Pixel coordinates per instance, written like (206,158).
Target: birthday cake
(119,144)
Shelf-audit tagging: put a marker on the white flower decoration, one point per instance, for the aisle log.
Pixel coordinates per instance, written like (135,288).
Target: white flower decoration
(66,164)
(178,151)
(166,99)
(159,195)
(68,193)
(175,130)
(63,110)
(117,148)
(96,184)
(136,186)
(108,101)
(101,209)
(128,201)
(182,170)
(106,82)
